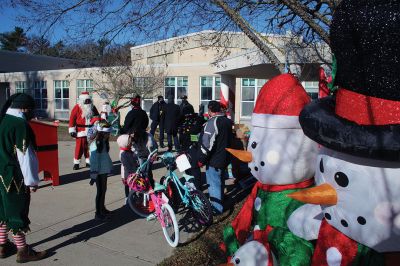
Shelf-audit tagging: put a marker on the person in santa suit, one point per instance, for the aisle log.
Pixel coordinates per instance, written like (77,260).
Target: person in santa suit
(79,122)
(18,176)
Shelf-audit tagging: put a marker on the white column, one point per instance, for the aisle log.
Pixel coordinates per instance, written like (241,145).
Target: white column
(228,92)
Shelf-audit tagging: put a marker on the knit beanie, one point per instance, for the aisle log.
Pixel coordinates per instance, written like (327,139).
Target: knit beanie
(22,101)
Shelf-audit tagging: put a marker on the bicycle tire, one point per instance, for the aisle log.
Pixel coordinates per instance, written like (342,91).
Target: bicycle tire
(202,212)
(168,215)
(135,202)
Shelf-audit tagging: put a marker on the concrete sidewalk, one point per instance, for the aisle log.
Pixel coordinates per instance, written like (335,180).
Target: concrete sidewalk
(62,222)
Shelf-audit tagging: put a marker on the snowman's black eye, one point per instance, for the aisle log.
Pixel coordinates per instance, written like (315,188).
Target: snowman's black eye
(237,261)
(361,220)
(321,166)
(341,179)
(254,144)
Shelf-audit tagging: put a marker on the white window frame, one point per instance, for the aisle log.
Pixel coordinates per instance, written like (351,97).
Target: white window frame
(22,87)
(257,87)
(177,100)
(87,86)
(311,87)
(65,84)
(40,85)
(214,97)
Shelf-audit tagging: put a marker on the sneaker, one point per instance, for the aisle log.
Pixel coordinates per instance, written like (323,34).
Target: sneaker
(107,212)
(27,254)
(76,166)
(7,249)
(100,217)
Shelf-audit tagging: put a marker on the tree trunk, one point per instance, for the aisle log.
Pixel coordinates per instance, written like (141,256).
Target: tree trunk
(242,24)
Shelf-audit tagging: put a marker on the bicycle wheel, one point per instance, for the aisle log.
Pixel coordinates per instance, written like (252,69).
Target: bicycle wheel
(171,229)
(138,205)
(201,207)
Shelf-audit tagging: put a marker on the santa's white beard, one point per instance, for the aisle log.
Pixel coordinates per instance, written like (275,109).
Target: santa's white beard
(87,110)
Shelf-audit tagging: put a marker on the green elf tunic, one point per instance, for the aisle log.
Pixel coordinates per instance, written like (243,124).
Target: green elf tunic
(268,208)
(18,169)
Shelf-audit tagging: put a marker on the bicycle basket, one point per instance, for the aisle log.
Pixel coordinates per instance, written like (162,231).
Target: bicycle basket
(168,158)
(137,183)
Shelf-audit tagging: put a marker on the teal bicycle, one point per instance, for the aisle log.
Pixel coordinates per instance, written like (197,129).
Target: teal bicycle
(185,192)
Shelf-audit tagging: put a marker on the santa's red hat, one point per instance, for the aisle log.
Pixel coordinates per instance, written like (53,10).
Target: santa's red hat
(84,95)
(279,103)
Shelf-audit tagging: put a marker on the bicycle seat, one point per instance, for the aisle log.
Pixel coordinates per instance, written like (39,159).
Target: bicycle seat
(159,187)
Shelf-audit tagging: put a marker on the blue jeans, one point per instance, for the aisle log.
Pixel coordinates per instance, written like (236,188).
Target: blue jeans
(216,181)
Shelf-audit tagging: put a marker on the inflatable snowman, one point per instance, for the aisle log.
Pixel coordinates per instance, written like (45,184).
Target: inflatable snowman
(282,159)
(358,168)
(255,252)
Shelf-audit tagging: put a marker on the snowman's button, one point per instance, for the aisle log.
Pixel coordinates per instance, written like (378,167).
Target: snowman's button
(333,256)
(257,204)
(256,227)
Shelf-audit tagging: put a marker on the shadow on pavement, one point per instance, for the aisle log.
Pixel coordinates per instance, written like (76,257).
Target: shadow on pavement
(82,175)
(90,229)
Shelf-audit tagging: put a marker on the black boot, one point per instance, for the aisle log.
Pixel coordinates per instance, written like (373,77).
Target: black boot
(76,166)
(7,249)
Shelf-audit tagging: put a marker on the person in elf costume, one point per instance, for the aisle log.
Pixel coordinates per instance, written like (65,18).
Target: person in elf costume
(79,122)
(358,168)
(281,157)
(18,175)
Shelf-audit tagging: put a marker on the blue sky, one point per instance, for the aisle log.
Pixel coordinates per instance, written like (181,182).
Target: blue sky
(8,21)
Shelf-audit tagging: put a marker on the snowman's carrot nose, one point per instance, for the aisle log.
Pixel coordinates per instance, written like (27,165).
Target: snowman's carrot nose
(323,194)
(244,156)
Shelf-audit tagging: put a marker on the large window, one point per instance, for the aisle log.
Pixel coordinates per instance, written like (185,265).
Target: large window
(21,87)
(61,94)
(210,89)
(250,89)
(40,94)
(84,85)
(311,88)
(176,87)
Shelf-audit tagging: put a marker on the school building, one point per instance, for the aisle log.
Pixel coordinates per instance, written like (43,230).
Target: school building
(195,65)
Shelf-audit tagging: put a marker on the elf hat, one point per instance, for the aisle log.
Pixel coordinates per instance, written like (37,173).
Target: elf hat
(279,103)
(363,118)
(84,95)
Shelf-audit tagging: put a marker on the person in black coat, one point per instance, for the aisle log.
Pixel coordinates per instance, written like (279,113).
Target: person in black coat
(172,116)
(157,118)
(185,106)
(136,119)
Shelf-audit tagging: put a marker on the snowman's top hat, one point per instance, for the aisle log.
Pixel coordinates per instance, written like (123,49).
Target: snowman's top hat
(363,118)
